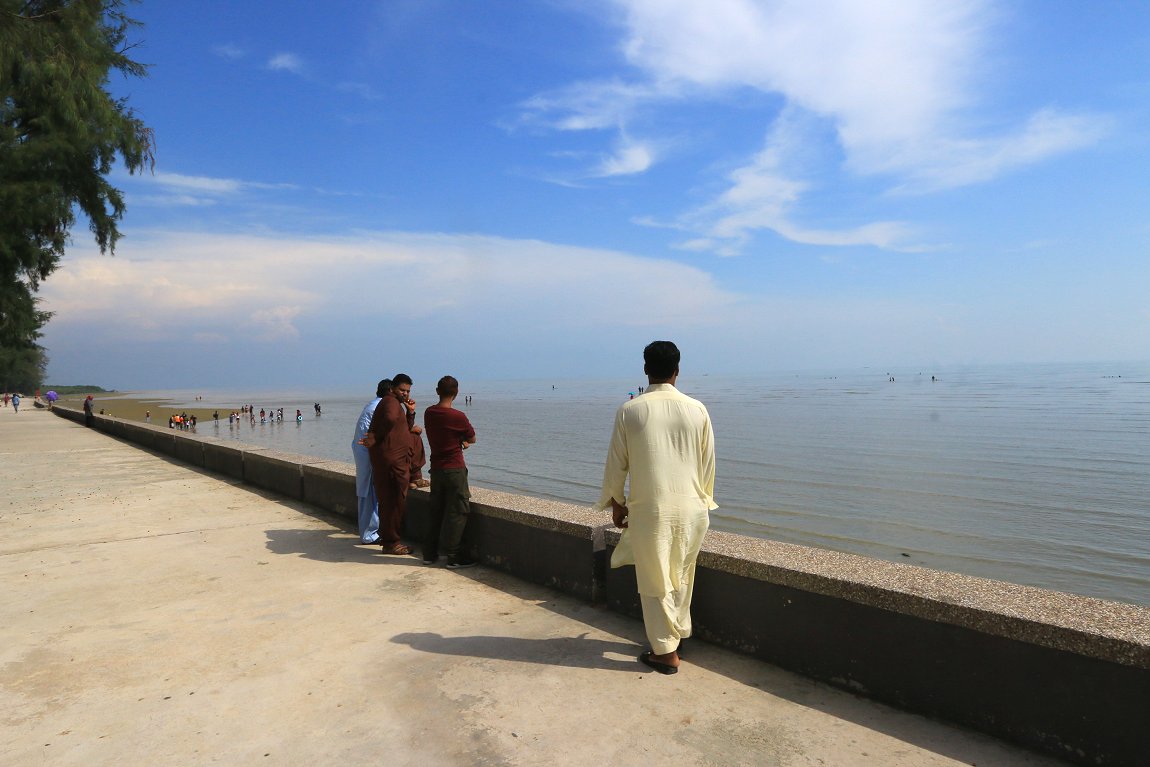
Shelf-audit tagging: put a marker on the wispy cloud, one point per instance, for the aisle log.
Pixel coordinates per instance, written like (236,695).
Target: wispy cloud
(766,193)
(589,105)
(286,62)
(895,85)
(630,157)
(176,189)
(197,183)
(229,51)
(949,162)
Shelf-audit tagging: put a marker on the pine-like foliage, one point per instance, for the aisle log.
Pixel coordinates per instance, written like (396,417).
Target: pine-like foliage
(60,134)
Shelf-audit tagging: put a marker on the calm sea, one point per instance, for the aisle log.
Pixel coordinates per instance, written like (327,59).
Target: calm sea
(1038,475)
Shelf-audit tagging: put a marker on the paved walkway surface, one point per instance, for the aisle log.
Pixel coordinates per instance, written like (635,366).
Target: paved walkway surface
(152,614)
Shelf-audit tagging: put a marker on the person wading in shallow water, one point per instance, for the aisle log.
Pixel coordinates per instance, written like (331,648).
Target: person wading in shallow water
(662,439)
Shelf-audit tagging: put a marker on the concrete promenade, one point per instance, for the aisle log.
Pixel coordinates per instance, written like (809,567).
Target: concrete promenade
(153,614)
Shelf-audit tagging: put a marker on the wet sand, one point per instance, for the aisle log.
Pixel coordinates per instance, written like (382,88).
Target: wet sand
(135,408)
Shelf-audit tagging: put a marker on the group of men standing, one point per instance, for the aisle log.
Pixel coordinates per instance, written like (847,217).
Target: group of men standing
(389,456)
(659,483)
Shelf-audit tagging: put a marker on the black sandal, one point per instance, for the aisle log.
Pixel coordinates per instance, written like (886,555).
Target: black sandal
(662,668)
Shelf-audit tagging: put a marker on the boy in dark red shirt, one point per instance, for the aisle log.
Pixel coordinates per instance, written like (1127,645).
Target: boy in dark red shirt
(449,433)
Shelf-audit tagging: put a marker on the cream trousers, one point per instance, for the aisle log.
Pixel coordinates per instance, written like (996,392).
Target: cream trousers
(667,619)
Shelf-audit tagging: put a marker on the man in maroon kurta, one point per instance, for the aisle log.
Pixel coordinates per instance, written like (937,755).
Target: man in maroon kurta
(449,433)
(390,452)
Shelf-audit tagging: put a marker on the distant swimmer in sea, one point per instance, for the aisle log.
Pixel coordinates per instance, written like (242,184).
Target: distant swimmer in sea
(318,409)
(298,416)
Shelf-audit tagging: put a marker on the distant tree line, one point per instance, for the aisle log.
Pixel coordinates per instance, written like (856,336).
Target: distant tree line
(66,391)
(60,134)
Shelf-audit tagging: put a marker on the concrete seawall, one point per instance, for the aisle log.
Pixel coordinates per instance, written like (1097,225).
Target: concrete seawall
(1057,673)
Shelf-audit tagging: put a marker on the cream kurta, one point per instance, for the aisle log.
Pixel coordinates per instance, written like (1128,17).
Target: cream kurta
(663,440)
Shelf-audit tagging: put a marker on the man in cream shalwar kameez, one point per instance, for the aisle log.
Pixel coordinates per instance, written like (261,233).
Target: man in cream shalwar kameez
(663,441)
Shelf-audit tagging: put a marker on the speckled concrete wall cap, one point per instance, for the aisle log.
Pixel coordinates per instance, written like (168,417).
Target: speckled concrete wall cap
(1112,631)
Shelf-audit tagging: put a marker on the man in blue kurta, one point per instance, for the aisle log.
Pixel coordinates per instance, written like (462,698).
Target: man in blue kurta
(663,441)
(364,488)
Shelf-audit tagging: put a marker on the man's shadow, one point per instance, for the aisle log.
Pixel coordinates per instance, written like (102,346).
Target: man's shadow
(332,545)
(575,652)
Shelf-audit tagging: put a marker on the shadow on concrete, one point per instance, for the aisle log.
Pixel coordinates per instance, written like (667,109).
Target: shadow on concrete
(914,729)
(574,652)
(332,546)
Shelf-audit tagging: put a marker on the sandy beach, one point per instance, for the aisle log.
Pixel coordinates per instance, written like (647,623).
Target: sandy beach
(135,409)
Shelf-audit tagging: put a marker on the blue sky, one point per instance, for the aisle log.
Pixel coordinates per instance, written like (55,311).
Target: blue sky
(508,188)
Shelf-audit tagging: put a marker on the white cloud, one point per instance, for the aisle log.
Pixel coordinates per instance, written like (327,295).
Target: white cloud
(588,106)
(286,62)
(196,183)
(951,162)
(179,286)
(630,157)
(238,307)
(894,83)
(177,189)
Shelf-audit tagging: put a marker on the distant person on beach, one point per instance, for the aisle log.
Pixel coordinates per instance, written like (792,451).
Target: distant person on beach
(6,398)
(89,419)
(663,441)
(389,444)
(318,409)
(16,403)
(364,487)
(449,433)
